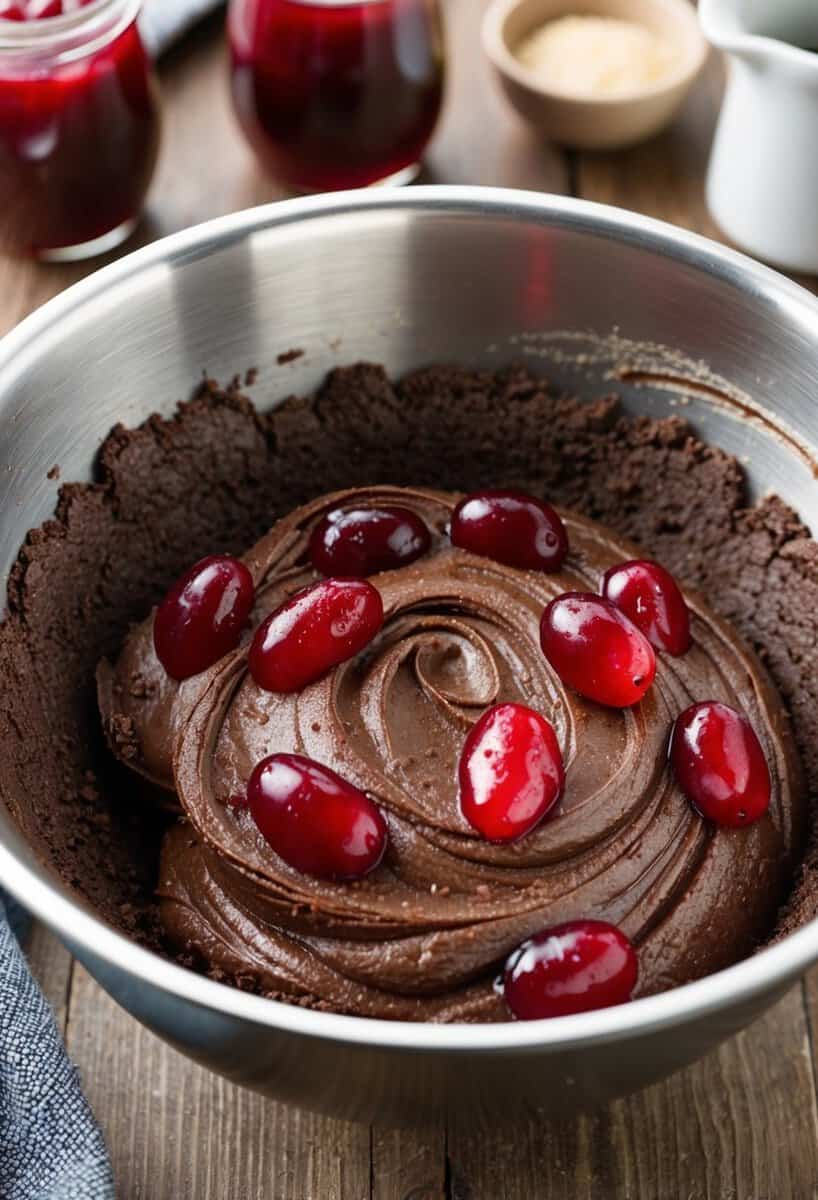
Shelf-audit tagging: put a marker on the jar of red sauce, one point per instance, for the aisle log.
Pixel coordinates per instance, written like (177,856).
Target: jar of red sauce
(337,93)
(79,125)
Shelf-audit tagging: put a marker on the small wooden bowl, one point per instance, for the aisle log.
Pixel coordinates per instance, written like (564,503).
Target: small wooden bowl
(593,123)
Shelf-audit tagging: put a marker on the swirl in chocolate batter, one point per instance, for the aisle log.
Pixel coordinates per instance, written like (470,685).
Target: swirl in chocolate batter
(422,937)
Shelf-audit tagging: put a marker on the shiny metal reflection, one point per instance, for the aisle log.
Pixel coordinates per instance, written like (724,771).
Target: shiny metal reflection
(601,299)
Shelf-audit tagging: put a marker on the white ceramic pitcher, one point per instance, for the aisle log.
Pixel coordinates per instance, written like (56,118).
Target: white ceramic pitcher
(762,182)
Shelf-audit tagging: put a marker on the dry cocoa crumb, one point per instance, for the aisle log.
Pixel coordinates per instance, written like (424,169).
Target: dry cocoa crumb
(123,737)
(141,688)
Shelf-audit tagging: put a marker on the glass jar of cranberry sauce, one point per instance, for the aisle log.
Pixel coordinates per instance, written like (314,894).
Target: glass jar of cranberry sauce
(337,93)
(79,125)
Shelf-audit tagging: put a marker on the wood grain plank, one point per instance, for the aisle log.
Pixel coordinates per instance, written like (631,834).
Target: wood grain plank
(480,139)
(177,1132)
(408,1164)
(740,1125)
(664,177)
(809,987)
(25,286)
(554,1160)
(726,1127)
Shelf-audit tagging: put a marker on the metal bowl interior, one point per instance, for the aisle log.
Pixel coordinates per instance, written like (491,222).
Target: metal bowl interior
(600,299)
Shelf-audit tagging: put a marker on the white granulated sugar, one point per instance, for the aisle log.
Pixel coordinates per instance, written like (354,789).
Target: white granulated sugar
(597,56)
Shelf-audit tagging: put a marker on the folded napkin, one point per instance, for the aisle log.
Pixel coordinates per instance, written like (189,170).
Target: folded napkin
(50,1145)
(163,21)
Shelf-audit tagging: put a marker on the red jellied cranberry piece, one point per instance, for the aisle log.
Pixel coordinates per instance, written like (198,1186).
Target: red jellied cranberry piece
(511,772)
(316,629)
(361,541)
(570,968)
(596,650)
(719,764)
(318,822)
(202,617)
(511,528)
(650,596)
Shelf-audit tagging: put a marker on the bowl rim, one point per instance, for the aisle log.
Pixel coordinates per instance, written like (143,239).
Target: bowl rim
(499,53)
(769,969)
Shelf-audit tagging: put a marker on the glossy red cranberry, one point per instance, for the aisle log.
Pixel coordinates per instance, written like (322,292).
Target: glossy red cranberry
(316,629)
(318,822)
(361,541)
(511,772)
(511,528)
(719,764)
(202,617)
(570,968)
(650,596)
(596,650)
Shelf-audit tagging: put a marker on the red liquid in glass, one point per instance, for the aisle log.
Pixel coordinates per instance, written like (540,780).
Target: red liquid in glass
(78,140)
(336,95)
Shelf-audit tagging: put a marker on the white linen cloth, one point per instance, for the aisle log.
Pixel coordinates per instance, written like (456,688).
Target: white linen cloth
(163,21)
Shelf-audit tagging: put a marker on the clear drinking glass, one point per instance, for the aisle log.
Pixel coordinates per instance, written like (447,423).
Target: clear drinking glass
(337,94)
(79,128)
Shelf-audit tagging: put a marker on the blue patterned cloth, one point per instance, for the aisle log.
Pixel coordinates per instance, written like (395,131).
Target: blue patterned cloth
(50,1145)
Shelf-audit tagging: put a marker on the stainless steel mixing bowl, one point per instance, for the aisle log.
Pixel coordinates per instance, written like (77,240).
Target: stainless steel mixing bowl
(468,275)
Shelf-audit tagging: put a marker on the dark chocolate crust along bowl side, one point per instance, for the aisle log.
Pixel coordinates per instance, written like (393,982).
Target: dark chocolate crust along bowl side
(588,298)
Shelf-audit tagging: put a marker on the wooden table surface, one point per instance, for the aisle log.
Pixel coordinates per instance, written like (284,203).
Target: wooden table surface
(740,1125)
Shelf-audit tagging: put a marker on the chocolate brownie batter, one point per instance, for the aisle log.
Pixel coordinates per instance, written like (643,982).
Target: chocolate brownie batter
(211,480)
(421,936)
